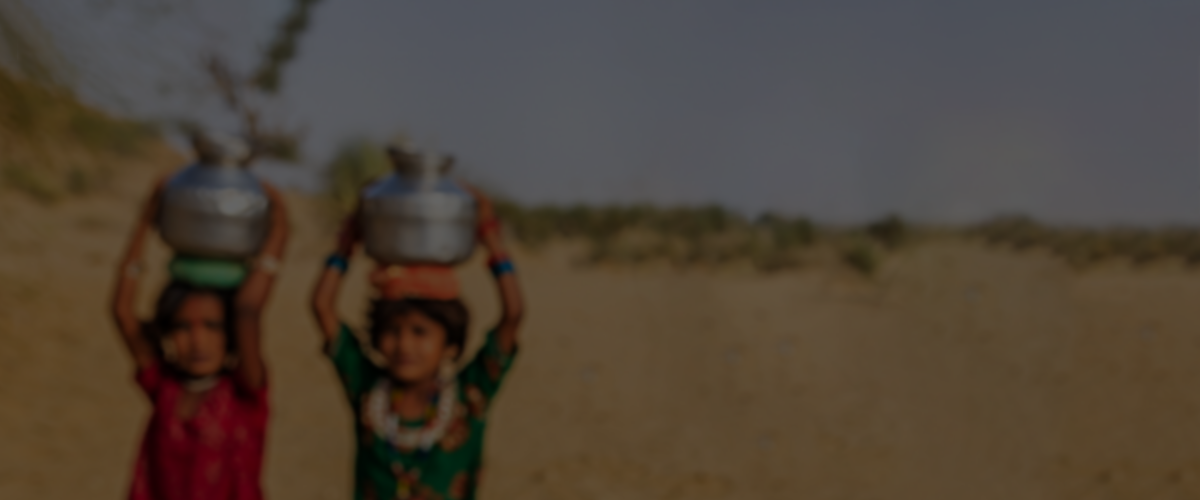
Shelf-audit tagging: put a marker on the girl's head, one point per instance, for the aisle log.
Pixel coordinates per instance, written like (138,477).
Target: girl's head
(194,326)
(416,336)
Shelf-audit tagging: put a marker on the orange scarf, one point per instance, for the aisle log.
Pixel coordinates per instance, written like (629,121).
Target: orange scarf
(415,282)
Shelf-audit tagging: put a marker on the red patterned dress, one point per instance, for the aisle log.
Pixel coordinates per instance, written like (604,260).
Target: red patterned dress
(216,454)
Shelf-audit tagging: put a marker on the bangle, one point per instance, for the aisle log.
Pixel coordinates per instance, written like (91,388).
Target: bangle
(133,270)
(501,267)
(268,264)
(337,262)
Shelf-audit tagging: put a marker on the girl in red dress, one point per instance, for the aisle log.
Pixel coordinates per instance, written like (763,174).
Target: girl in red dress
(199,361)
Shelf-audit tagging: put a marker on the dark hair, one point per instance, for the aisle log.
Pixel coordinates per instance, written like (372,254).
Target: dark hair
(451,314)
(172,299)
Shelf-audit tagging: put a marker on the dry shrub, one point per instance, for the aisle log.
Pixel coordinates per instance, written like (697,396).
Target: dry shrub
(55,146)
(891,232)
(684,236)
(1086,247)
(862,258)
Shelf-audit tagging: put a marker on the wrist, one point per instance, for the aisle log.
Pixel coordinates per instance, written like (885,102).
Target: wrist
(500,265)
(495,251)
(268,263)
(337,261)
(131,269)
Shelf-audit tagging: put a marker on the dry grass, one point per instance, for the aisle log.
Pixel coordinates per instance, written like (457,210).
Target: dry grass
(55,146)
(861,258)
(1087,247)
(682,236)
(953,375)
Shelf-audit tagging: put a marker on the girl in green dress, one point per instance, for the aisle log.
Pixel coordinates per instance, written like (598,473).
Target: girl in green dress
(419,422)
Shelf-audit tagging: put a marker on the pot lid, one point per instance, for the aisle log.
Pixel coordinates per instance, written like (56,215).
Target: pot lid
(220,148)
(409,159)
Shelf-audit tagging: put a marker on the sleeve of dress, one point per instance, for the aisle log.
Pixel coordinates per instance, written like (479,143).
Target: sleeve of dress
(352,365)
(481,378)
(150,379)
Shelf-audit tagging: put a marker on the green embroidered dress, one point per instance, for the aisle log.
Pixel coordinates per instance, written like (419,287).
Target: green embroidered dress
(450,469)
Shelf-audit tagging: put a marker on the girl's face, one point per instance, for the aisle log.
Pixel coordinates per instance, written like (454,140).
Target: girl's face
(198,335)
(415,347)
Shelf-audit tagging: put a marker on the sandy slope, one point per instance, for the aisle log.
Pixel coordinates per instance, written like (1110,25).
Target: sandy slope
(960,373)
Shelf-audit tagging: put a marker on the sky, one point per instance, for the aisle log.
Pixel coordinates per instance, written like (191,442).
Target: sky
(940,111)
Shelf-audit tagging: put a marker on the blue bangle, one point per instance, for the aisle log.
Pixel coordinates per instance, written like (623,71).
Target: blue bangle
(503,267)
(338,262)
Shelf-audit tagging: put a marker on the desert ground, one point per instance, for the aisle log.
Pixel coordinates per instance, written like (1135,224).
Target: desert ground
(958,372)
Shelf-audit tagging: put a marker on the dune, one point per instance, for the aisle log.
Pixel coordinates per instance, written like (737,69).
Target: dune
(958,372)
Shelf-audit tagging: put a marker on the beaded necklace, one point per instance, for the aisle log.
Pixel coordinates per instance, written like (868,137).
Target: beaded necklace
(387,424)
(201,384)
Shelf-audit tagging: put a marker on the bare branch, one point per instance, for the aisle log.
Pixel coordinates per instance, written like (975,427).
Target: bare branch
(225,80)
(283,47)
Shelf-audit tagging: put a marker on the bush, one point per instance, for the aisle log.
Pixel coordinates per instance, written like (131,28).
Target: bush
(55,116)
(56,146)
(685,236)
(786,233)
(355,163)
(890,232)
(25,180)
(101,133)
(1082,248)
(861,258)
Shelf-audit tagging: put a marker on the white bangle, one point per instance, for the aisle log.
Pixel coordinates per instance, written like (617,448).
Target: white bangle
(268,264)
(133,270)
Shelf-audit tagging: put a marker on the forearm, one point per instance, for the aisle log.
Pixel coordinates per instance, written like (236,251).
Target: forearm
(251,367)
(122,306)
(324,301)
(324,298)
(512,304)
(350,233)
(277,238)
(124,296)
(252,299)
(129,270)
(276,243)
(255,290)
(130,266)
(254,294)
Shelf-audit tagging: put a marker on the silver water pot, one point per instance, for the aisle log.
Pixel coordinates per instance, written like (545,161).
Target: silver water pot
(214,209)
(418,214)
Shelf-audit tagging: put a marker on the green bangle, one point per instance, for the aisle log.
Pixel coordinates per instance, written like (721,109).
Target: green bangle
(210,273)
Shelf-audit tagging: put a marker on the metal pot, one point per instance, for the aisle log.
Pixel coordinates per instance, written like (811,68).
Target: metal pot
(215,208)
(418,214)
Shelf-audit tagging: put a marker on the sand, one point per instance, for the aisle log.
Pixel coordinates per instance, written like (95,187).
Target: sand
(960,372)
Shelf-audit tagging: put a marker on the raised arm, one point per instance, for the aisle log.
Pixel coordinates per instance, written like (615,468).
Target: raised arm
(324,297)
(254,292)
(511,302)
(129,270)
